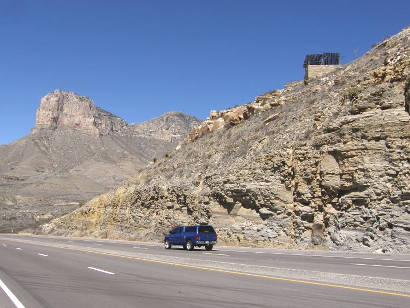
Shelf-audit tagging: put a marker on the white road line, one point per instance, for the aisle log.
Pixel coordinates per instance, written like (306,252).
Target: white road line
(100,270)
(233,250)
(4,245)
(221,254)
(379,265)
(18,248)
(207,253)
(42,254)
(261,266)
(10,294)
(135,247)
(317,256)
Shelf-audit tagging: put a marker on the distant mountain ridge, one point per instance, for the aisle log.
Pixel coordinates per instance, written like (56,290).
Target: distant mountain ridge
(75,151)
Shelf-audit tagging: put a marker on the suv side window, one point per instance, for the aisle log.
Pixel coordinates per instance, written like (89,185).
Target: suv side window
(206,229)
(176,230)
(190,229)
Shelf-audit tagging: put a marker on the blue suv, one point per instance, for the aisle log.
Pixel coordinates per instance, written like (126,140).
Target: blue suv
(191,236)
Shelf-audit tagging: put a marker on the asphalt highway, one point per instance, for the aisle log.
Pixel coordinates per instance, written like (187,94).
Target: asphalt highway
(37,271)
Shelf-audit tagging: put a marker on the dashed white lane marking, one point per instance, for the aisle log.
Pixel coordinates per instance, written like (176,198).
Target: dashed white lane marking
(317,256)
(10,294)
(4,245)
(18,248)
(221,254)
(99,244)
(42,254)
(100,270)
(207,253)
(379,265)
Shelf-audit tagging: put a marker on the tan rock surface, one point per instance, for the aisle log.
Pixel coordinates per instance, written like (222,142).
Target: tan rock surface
(324,165)
(61,109)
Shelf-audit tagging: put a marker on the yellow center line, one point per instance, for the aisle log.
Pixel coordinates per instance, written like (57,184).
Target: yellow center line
(212,269)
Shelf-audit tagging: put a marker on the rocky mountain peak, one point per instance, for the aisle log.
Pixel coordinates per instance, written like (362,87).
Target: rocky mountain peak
(61,109)
(170,126)
(75,152)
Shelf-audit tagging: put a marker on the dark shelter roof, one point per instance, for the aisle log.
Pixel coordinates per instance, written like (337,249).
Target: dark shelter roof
(326,58)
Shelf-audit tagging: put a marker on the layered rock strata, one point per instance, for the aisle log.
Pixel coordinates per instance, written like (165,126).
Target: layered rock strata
(323,165)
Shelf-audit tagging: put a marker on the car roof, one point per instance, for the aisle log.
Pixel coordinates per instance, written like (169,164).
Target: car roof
(194,226)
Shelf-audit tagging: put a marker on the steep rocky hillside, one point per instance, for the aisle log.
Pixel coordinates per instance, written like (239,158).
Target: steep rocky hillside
(324,164)
(75,152)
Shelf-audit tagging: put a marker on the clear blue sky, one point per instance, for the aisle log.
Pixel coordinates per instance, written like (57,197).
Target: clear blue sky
(139,59)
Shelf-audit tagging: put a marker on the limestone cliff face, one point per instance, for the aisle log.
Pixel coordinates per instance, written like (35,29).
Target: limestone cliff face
(61,109)
(320,165)
(75,152)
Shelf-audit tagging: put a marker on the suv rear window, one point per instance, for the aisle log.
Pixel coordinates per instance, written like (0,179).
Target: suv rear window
(190,229)
(206,229)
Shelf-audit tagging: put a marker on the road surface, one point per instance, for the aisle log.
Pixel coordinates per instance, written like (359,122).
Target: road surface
(38,271)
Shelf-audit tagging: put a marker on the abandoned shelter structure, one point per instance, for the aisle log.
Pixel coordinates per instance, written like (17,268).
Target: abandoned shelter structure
(317,65)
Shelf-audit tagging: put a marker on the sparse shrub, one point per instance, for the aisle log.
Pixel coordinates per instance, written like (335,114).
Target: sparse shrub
(307,134)
(154,160)
(393,44)
(407,95)
(270,92)
(353,94)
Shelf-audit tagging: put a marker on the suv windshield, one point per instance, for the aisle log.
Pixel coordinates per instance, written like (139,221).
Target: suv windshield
(206,229)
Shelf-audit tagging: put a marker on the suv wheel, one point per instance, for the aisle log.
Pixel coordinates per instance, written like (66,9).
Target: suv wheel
(209,247)
(189,245)
(167,244)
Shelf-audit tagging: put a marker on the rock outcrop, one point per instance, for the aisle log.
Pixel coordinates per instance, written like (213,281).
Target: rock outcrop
(170,127)
(323,165)
(75,152)
(61,109)
(233,116)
